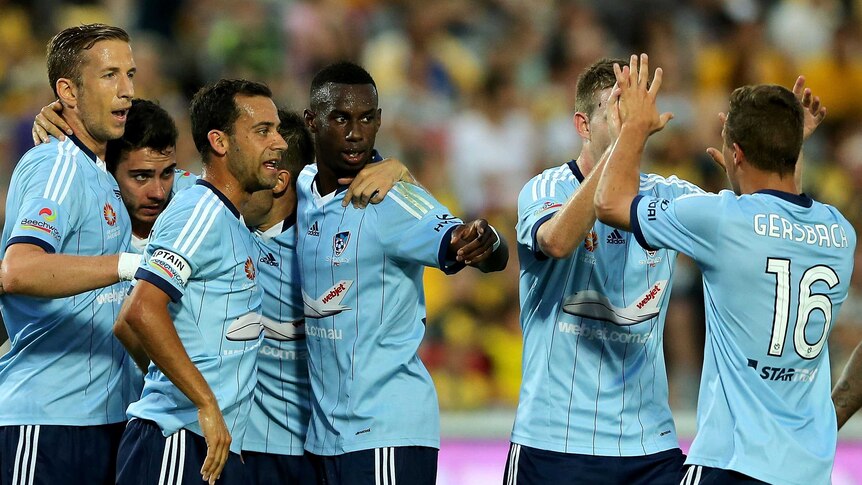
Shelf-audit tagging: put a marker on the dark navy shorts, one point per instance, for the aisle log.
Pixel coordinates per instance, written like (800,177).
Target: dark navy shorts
(67,455)
(148,458)
(704,475)
(532,466)
(407,465)
(269,468)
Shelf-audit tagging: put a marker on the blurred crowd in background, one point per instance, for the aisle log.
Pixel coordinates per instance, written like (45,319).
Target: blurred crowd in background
(477,97)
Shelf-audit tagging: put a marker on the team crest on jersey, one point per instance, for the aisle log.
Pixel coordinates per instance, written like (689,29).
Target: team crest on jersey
(591,242)
(652,258)
(109,214)
(249,269)
(340,242)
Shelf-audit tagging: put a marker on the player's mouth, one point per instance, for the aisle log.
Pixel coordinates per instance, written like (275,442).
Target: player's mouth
(120,115)
(271,165)
(354,157)
(151,210)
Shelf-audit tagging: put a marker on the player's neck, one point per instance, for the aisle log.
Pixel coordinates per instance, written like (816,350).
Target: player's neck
(761,180)
(216,173)
(84,135)
(327,179)
(141,229)
(585,162)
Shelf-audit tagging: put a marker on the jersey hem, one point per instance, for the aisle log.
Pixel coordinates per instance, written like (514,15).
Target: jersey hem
(370,445)
(268,449)
(589,450)
(751,471)
(62,421)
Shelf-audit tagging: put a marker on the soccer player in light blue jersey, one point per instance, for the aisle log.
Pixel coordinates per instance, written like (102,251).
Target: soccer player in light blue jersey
(195,309)
(64,393)
(375,414)
(594,400)
(776,268)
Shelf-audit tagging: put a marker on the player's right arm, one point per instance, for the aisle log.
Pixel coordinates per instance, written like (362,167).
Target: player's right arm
(146,313)
(49,122)
(29,270)
(847,394)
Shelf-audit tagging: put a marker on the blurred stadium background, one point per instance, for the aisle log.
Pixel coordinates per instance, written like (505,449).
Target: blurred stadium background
(477,97)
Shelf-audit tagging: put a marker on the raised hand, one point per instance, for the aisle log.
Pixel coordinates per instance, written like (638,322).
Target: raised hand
(373,182)
(637,96)
(715,153)
(218,441)
(813,111)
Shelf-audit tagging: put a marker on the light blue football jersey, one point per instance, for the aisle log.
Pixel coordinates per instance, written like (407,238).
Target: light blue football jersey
(365,315)
(776,269)
(202,255)
(282,399)
(594,379)
(65,366)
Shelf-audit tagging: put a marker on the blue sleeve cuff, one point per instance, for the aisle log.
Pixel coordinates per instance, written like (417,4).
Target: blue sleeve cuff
(443,262)
(636,225)
(173,293)
(534,235)
(31,240)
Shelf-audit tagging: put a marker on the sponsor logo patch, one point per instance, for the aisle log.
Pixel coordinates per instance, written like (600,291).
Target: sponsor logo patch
(109,214)
(616,238)
(314,230)
(591,242)
(269,259)
(47,215)
(249,269)
(170,265)
(445,220)
(40,226)
(547,206)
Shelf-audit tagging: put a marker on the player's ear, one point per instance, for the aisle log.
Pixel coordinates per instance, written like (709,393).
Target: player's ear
(308,115)
(738,154)
(582,124)
(67,91)
(282,182)
(218,142)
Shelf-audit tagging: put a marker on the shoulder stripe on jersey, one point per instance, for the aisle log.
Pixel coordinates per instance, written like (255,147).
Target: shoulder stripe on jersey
(413,196)
(25,455)
(71,177)
(206,230)
(63,165)
(412,210)
(204,207)
(652,180)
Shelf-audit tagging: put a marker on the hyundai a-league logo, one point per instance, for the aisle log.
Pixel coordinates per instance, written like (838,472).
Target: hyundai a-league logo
(339,242)
(110,215)
(47,214)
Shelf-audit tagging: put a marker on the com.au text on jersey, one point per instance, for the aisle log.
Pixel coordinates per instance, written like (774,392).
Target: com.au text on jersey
(773,225)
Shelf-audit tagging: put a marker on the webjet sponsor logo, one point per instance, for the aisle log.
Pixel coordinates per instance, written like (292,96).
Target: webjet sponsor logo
(597,332)
(595,305)
(327,304)
(170,265)
(245,328)
(113,296)
(283,331)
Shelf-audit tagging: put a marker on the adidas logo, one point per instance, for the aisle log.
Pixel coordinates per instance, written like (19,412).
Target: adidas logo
(269,259)
(313,230)
(616,238)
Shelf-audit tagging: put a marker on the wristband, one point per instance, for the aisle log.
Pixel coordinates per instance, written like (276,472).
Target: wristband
(127,265)
(498,241)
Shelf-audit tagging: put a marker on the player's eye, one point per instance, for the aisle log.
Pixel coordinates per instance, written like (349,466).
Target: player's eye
(141,177)
(109,75)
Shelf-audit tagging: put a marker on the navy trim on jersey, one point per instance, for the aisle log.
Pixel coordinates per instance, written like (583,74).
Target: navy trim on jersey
(636,225)
(31,240)
(576,170)
(83,147)
(375,156)
(289,221)
(535,234)
(455,266)
(800,200)
(163,285)
(220,195)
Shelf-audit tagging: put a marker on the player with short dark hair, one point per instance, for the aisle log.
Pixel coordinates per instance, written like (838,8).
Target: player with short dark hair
(65,392)
(764,413)
(594,397)
(375,409)
(195,310)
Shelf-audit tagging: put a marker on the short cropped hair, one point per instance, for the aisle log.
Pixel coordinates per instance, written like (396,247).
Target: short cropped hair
(66,50)
(148,125)
(766,121)
(214,107)
(595,79)
(339,73)
(300,146)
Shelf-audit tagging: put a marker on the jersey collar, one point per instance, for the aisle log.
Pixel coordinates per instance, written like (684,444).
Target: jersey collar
(573,166)
(90,154)
(220,195)
(801,199)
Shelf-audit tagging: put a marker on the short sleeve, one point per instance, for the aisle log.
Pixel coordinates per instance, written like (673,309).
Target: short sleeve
(183,179)
(685,224)
(182,242)
(415,227)
(45,186)
(538,201)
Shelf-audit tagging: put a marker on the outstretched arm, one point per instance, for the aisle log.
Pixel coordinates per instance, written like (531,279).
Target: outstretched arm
(847,394)
(620,179)
(478,244)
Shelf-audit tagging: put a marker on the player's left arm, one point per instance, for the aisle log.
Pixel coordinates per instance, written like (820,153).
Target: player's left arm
(847,394)
(478,244)
(639,118)
(130,341)
(374,181)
